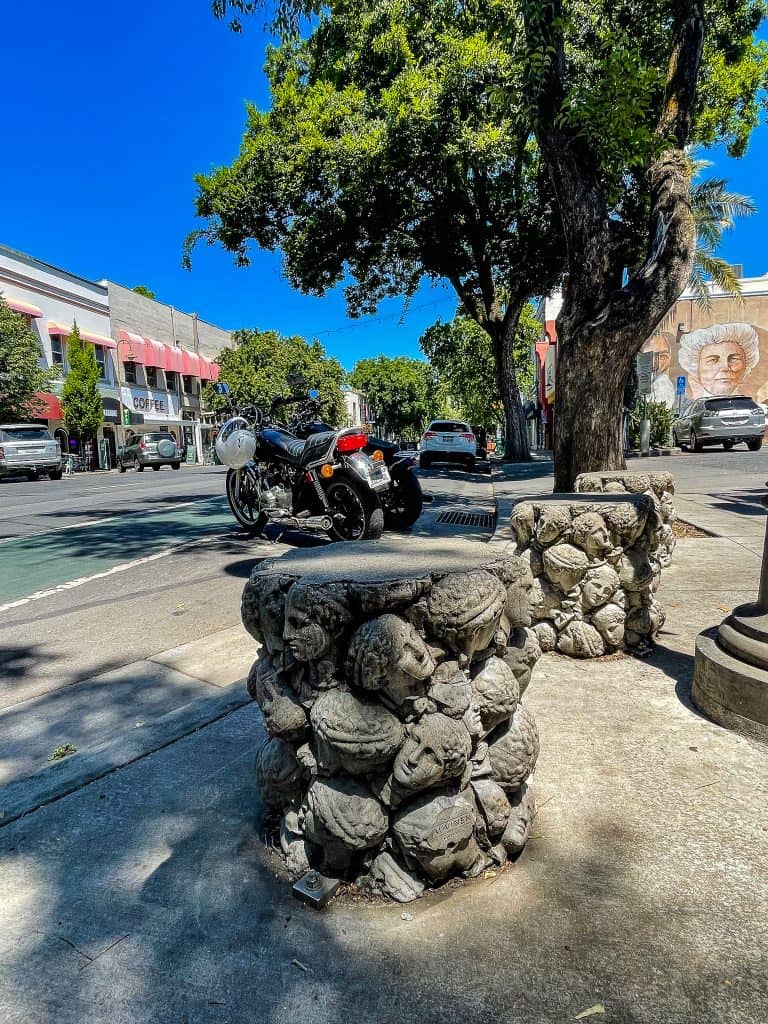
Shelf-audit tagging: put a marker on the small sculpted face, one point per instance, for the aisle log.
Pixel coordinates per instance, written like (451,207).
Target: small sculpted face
(435,748)
(609,622)
(600,584)
(306,639)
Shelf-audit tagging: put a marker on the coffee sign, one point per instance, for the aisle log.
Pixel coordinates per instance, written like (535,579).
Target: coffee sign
(151,403)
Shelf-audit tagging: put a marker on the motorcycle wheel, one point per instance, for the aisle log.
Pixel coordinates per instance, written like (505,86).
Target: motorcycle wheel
(405,501)
(243,502)
(362,519)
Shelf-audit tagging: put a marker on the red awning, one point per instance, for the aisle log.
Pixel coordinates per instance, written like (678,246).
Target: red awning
(154,352)
(174,359)
(49,407)
(132,348)
(55,328)
(208,369)
(21,306)
(191,363)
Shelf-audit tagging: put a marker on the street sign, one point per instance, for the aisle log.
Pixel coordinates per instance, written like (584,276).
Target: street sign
(681,382)
(644,368)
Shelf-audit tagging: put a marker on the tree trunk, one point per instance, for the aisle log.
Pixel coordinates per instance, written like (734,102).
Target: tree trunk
(516,448)
(588,409)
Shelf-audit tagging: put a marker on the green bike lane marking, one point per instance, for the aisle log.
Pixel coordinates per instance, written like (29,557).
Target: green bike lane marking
(33,564)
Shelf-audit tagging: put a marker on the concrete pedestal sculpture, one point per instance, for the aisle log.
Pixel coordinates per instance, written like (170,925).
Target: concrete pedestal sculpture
(399,754)
(658,486)
(595,570)
(730,676)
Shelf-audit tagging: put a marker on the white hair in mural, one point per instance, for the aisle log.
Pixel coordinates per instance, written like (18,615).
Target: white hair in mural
(744,335)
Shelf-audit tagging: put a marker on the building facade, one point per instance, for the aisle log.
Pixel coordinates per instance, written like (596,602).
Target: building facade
(718,352)
(153,359)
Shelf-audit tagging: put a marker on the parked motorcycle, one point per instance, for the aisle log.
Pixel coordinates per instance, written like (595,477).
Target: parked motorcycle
(324,483)
(404,499)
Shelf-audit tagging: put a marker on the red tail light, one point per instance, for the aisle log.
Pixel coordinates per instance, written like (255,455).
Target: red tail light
(352,442)
(2,453)
(429,433)
(142,445)
(468,437)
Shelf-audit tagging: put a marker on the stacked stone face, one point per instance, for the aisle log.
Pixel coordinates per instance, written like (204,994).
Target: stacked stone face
(595,568)
(658,486)
(398,754)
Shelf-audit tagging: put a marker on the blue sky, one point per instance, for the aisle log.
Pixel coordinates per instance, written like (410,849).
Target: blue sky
(109,111)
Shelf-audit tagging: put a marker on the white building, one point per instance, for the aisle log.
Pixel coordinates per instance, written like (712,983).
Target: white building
(153,359)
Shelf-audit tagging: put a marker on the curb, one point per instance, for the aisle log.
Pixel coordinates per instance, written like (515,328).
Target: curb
(24,796)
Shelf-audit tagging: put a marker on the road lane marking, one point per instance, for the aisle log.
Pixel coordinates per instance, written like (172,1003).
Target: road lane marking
(82,580)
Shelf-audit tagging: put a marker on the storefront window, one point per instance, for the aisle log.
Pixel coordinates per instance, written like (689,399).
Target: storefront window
(129,370)
(151,372)
(188,386)
(101,361)
(171,380)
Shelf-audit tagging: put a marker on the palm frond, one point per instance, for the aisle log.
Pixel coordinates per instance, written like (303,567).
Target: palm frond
(698,285)
(719,271)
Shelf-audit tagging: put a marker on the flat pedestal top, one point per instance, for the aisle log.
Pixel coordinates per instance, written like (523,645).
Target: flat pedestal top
(381,560)
(591,499)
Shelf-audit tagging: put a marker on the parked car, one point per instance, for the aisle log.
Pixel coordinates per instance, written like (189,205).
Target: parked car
(448,441)
(28,449)
(725,421)
(155,449)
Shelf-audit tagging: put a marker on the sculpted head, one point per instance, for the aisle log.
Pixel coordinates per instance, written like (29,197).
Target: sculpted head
(591,534)
(437,832)
(283,714)
(436,747)
(522,813)
(360,732)
(599,585)
(565,565)
(513,749)
(552,524)
(580,640)
(516,576)
(388,654)
(278,773)
(342,811)
(609,622)
(316,615)
(495,693)
(263,608)
(464,610)
(521,522)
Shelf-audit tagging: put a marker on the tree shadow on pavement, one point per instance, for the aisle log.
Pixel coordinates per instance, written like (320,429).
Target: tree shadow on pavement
(149,897)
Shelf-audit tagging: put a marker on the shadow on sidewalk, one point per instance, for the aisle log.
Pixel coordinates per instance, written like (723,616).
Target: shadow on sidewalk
(150,897)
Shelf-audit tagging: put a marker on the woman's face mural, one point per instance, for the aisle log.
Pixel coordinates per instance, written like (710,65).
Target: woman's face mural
(717,359)
(721,367)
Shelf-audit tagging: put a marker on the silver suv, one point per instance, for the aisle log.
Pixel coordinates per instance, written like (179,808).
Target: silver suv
(725,421)
(27,449)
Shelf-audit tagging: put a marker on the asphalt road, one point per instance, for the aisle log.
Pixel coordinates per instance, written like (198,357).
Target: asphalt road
(100,571)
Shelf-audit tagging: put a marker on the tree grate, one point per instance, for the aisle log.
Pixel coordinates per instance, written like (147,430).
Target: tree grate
(484,520)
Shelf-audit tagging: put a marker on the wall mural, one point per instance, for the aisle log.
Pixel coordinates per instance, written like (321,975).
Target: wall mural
(726,357)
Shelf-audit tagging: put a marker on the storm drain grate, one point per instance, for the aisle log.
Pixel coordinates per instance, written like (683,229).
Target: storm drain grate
(484,520)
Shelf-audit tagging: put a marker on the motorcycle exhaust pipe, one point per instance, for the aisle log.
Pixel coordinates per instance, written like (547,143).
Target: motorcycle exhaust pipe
(320,523)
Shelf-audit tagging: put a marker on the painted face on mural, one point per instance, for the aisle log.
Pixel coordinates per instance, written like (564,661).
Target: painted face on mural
(718,358)
(722,367)
(660,346)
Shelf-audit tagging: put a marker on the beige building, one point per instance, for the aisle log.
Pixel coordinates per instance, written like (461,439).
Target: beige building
(717,353)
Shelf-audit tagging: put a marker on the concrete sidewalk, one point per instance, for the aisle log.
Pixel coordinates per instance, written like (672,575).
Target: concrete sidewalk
(149,896)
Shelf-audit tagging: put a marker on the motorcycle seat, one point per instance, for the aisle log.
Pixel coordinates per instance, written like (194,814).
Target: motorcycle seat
(290,447)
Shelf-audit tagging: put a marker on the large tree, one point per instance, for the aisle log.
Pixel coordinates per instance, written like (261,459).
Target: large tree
(619,91)
(257,370)
(402,393)
(398,148)
(81,401)
(462,354)
(20,372)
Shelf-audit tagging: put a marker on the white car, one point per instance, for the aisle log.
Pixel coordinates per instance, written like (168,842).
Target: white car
(448,441)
